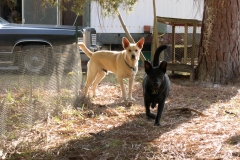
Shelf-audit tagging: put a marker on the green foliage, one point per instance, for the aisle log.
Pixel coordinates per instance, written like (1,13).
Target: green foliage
(77,5)
(9,97)
(56,119)
(10,3)
(109,7)
(115,143)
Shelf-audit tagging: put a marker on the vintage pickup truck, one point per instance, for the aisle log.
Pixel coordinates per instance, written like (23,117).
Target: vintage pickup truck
(16,39)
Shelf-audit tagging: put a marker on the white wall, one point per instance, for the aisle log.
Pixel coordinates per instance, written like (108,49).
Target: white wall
(143,15)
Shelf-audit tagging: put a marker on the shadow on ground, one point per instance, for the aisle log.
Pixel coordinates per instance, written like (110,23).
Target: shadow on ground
(133,139)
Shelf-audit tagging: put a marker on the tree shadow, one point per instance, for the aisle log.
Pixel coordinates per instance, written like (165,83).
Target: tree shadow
(133,138)
(115,143)
(234,140)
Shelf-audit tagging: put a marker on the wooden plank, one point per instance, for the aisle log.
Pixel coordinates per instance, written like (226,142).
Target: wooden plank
(185,43)
(180,67)
(178,21)
(193,44)
(173,44)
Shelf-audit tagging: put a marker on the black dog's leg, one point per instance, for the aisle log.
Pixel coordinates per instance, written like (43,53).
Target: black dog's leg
(153,105)
(148,113)
(159,113)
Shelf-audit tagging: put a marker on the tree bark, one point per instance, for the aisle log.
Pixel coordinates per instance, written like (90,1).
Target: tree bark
(155,42)
(219,59)
(129,37)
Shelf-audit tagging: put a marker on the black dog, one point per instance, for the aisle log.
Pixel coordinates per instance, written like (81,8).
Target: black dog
(156,85)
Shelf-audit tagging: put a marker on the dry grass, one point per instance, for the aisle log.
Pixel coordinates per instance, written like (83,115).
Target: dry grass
(104,128)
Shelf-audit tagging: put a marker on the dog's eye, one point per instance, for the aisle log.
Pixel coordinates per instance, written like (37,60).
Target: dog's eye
(129,50)
(136,50)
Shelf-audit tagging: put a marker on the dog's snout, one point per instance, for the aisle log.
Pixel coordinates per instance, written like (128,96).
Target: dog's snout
(156,85)
(133,56)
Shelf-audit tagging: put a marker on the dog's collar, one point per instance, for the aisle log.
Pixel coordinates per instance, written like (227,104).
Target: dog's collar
(154,91)
(133,68)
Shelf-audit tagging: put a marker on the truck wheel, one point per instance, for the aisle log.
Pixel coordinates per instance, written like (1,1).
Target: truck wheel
(35,59)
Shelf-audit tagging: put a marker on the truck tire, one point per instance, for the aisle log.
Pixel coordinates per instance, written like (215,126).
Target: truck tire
(35,59)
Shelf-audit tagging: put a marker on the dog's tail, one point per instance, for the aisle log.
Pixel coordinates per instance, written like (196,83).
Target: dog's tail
(157,54)
(85,50)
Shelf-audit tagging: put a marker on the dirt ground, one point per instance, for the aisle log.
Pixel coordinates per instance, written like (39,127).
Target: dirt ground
(200,121)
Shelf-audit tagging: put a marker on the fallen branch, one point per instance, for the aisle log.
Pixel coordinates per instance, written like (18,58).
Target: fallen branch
(232,113)
(185,109)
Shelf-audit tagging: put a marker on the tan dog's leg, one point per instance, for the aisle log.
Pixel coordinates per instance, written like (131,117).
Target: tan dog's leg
(130,86)
(90,78)
(98,79)
(120,81)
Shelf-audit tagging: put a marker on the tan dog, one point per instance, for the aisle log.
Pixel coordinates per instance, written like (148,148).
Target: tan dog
(124,64)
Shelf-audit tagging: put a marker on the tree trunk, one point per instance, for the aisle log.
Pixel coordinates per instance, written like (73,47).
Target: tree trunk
(155,43)
(219,49)
(129,37)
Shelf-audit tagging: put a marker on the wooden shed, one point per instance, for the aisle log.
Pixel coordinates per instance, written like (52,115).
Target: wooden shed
(182,66)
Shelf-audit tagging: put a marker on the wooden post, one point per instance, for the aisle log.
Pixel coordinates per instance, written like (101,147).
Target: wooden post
(193,44)
(173,44)
(185,43)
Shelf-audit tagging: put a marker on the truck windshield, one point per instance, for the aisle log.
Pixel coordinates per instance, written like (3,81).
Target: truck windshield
(3,21)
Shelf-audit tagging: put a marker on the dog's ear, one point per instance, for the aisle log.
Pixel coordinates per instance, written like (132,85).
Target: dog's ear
(125,42)
(140,43)
(163,66)
(147,66)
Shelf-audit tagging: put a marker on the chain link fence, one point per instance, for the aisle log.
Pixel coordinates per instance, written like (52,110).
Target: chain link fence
(47,80)
(184,39)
